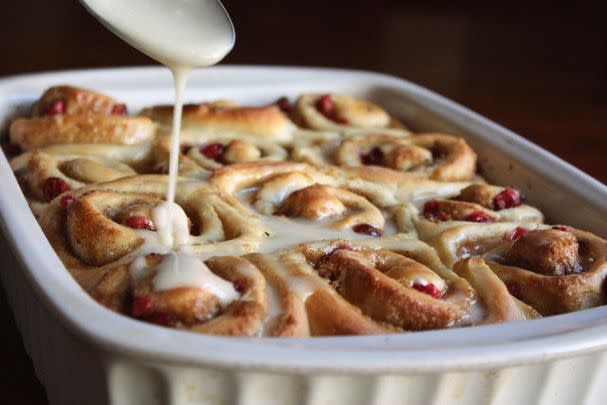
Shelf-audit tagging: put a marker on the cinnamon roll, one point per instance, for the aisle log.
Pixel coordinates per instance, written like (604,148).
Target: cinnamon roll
(435,156)
(336,112)
(397,280)
(69,115)
(266,122)
(69,100)
(112,223)
(477,203)
(554,269)
(77,165)
(200,155)
(298,203)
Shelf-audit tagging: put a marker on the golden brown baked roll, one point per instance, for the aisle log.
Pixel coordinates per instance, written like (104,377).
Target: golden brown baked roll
(298,203)
(493,297)
(69,100)
(226,295)
(436,156)
(477,203)
(554,269)
(112,223)
(226,118)
(70,115)
(201,154)
(396,281)
(386,187)
(77,165)
(338,112)
(32,133)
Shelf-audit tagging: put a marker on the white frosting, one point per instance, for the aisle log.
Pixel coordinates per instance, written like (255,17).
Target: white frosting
(420,281)
(184,270)
(172,226)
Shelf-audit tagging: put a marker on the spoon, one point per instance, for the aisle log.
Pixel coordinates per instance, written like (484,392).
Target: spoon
(180,34)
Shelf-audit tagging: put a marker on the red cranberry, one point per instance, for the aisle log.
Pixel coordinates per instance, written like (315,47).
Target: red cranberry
(67,200)
(213,150)
(432,211)
(509,198)
(341,120)
(326,105)
(514,289)
(374,157)
(517,233)
(139,222)
(57,107)
(142,306)
(54,186)
(162,319)
(479,216)
(367,229)
(429,289)
(119,109)
(240,286)
(284,104)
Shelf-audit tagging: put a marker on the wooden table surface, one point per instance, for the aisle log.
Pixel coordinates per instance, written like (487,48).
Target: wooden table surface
(538,70)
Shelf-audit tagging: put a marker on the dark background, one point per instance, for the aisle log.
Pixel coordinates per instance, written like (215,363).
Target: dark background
(540,70)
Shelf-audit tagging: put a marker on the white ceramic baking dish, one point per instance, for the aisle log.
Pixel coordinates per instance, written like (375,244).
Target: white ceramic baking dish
(85,354)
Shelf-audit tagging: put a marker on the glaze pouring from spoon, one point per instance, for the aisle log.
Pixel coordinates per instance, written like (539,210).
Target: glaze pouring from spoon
(180,34)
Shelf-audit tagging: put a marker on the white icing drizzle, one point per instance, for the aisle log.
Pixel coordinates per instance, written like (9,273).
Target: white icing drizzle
(171,224)
(181,34)
(283,232)
(139,268)
(184,270)
(475,316)
(420,281)
(303,286)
